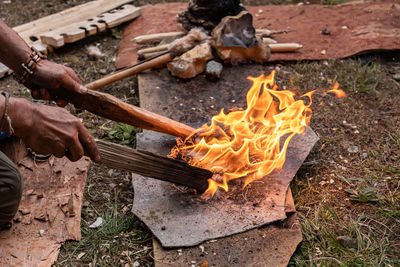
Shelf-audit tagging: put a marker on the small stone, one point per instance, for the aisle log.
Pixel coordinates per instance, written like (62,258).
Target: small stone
(323,52)
(331,181)
(41,232)
(396,77)
(213,70)
(80,255)
(344,27)
(97,223)
(347,242)
(353,149)
(201,248)
(110,172)
(364,155)
(106,195)
(94,52)
(136,264)
(103,71)
(326,31)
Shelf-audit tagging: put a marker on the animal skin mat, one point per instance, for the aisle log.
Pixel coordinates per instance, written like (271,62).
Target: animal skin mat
(354,28)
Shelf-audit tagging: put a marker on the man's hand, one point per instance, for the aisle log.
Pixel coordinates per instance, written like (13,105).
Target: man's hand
(50,77)
(51,130)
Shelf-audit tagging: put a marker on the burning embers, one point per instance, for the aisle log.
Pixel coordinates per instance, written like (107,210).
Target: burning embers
(250,143)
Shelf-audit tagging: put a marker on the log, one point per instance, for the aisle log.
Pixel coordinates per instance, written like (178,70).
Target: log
(151,165)
(112,108)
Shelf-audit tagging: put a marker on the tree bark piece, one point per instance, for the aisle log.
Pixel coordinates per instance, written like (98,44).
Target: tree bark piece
(151,165)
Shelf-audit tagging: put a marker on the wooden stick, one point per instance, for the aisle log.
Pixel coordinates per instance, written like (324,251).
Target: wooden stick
(112,108)
(157,37)
(153,49)
(151,165)
(284,47)
(158,61)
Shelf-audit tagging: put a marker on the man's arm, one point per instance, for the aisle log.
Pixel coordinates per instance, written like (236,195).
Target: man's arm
(13,50)
(48,76)
(49,130)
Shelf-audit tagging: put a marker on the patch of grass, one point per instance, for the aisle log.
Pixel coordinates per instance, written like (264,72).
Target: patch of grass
(121,240)
(367,245)
(359,77)
(122,134)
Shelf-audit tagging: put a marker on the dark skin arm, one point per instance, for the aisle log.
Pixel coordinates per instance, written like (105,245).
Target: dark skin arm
(43,128)
(49,76)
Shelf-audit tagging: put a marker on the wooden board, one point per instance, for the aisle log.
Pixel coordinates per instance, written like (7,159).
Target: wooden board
(89,26)
(65,18)
(73,24)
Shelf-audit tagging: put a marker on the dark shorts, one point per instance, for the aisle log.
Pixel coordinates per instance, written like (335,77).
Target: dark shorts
(10,189)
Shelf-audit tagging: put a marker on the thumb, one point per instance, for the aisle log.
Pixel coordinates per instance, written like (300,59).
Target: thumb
(72,85)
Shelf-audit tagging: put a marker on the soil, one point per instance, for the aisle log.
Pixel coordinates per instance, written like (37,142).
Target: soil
(372,106)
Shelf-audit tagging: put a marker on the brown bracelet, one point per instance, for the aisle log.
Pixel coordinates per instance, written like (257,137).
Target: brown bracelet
(28,66)
(5,116)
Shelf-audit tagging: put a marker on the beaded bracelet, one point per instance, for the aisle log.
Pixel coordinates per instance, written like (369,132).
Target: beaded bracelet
(5,116)
(28,66)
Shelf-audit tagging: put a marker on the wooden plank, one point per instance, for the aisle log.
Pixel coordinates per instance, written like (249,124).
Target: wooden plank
(65,18)
(79,30)
(120,15)
(151,165)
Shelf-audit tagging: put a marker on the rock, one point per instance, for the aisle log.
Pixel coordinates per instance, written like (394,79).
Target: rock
(97,223)
(353,149)
(347,242)
(41,232)
(94,52)
(192,62)
(213,70)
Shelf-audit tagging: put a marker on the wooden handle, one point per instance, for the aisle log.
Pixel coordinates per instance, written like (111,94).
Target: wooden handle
(158,61)
(151,165)
(112,108)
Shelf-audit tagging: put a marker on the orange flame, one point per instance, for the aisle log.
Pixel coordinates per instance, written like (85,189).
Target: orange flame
(338,92)
(247,143)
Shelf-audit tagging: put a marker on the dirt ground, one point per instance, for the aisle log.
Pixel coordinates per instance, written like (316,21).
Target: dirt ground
(347,193)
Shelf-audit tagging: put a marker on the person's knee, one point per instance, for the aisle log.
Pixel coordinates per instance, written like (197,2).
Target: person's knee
(10,189)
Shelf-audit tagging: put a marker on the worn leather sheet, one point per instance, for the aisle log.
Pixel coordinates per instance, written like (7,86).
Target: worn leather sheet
(179,218)
(355,28)
(271,245)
